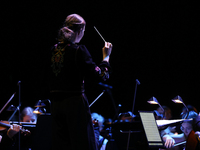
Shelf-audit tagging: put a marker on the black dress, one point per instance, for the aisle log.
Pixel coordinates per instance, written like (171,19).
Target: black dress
(72,124)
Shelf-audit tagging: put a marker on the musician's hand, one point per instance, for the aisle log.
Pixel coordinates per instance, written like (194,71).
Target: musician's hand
(169,141)
(14,129)
(197,135)
(107,51)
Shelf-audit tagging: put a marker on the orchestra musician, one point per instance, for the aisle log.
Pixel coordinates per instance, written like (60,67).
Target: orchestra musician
(7,138)
(98,121)
(191,114)
(166,114)
(71,62)
(27,115)
(126,117)
(188,135)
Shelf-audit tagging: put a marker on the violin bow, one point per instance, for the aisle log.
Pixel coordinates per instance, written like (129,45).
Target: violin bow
(97,98)
(7,102)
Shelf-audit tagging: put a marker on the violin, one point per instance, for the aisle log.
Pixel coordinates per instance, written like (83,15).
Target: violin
(95,123)
(6,124)
(192,141)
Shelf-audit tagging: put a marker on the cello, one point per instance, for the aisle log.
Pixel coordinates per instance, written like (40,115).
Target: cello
(192,141)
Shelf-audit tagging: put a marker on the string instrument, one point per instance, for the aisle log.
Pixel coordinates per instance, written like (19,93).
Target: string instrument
(5,125)
(95,123)
(192,141)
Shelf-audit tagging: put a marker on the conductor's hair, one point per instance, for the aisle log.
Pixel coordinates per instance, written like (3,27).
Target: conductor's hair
(72,24)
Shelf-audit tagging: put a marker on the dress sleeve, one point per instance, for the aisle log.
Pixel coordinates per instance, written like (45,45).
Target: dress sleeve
(101,71)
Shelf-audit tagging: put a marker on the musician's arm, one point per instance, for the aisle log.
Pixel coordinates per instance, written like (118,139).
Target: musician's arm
(197,135)
(171,139)
(178,137)
(7,139)
(6,142)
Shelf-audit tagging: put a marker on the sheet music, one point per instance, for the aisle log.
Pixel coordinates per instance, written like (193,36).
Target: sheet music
(150,127)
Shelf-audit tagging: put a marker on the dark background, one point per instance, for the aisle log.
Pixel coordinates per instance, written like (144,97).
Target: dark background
(156,43)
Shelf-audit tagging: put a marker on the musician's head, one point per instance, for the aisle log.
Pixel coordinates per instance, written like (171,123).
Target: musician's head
(99,118)
(196,123)
(27,115)
(193,113)
(73,29)
(187,127)
(126,117)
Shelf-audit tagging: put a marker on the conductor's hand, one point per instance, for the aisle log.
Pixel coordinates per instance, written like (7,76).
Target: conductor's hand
(107,51)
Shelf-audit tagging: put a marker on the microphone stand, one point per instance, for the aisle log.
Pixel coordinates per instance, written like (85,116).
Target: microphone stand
(107,87)
(137,83)
(13,113)
(110,94)
(19,85)
(116,114)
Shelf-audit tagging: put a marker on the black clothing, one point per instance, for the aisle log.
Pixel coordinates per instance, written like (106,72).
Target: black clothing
(72,123)
(13,144)
(69,65)
(6,142)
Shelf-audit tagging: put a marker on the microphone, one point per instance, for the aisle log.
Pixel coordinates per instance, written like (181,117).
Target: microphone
(105,85)
(119,105)
(138,82)
(117,112)
(18,83)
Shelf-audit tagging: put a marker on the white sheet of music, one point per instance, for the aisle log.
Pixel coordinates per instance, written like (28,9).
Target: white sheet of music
(150,127)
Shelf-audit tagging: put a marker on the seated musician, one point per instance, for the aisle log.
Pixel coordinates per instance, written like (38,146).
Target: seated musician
(98,121)
(160,114)
(196,126)
(187,135)
(7,137)
(126,117)
(27,115)
(10,139)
